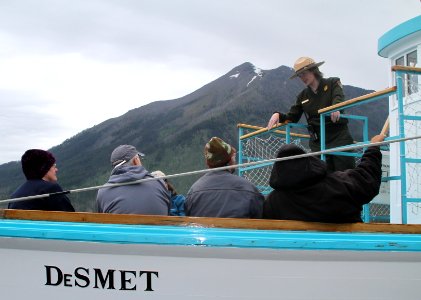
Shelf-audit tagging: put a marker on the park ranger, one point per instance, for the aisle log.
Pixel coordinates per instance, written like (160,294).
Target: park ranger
(319,93)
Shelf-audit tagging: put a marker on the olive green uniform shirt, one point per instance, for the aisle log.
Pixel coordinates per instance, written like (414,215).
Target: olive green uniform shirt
(328,93)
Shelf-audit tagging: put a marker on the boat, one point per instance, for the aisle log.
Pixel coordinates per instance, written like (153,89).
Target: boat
(84,255)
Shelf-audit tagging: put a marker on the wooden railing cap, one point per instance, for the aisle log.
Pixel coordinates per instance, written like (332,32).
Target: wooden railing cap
(358,99)
(251,224)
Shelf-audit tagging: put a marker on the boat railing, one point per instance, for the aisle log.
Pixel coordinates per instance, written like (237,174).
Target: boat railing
(325,112)
(283,133)
(258,144)
(202,222)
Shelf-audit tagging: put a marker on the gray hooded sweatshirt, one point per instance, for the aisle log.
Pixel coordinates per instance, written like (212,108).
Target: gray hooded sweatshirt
(146,198)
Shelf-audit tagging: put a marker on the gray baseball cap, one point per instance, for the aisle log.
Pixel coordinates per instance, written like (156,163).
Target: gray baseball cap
(123,154)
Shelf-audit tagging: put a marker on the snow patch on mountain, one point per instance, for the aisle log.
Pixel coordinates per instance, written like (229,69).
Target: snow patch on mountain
(258,72)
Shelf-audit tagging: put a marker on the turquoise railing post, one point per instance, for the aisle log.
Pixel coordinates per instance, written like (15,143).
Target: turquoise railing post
(365,130)
(240,148)
(400,95)
(322,136)
(288,132)
(366,213)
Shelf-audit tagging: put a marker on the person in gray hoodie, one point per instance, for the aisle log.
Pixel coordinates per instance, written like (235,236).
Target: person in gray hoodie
(147,198)
(222,194)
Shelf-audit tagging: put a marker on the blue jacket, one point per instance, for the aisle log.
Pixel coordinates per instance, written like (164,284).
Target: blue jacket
(38,187)
(147,198)
(177,205)
(225,195)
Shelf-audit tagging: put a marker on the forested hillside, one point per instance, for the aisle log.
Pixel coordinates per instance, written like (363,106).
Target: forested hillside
(172,133)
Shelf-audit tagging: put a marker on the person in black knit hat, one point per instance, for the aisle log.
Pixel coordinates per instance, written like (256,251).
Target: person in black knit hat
(40,170)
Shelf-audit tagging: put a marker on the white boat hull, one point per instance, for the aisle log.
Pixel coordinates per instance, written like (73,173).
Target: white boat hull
(47,260)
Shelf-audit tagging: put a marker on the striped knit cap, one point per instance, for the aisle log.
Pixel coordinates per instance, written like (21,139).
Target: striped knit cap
(218,153)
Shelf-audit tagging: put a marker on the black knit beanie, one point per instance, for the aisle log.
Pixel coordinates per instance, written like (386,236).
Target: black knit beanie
(36,163)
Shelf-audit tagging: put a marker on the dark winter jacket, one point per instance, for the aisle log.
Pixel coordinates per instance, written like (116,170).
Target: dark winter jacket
(39,187)
(224,195)
(303,190)
(147,198)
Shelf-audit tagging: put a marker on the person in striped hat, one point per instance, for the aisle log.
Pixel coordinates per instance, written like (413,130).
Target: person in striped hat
(220,193)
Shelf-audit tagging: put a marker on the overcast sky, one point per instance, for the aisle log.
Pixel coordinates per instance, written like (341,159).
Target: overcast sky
(67,65)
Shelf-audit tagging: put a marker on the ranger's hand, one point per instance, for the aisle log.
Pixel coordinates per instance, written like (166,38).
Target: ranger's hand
(273,121)
(335,116)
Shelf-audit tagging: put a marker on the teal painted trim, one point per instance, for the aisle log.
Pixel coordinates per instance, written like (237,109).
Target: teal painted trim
(288,134)
(389,138)
(417,200)
(412,118)
(240,149)
(209,237)
(399,32)
(386,179)
(412,72)
(322,135)
(413,160)
(366,213)
(401,124)
(355,117)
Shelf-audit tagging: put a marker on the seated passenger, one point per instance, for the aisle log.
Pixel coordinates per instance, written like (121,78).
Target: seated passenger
(177,200)
(221,193)
(40,170)
(147,198)
(305,191)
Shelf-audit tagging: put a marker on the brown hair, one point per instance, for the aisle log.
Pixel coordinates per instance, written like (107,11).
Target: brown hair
(171,187)
(316,72)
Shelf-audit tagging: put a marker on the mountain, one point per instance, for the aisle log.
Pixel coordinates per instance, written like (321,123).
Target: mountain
(173,133)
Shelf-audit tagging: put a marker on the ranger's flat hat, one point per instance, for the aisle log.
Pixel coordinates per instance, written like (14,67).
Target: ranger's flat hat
(304,63)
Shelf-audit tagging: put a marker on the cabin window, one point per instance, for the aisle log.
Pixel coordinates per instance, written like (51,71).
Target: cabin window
(400,61)
(411,61)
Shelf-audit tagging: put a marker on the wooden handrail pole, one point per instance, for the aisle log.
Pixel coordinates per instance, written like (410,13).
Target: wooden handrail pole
(385,128)
(261,130)
(358,99)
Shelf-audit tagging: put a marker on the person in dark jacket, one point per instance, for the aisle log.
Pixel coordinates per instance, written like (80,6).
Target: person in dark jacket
(319,93)
(40,170)
(147,198)
(221,193)
(305,191)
